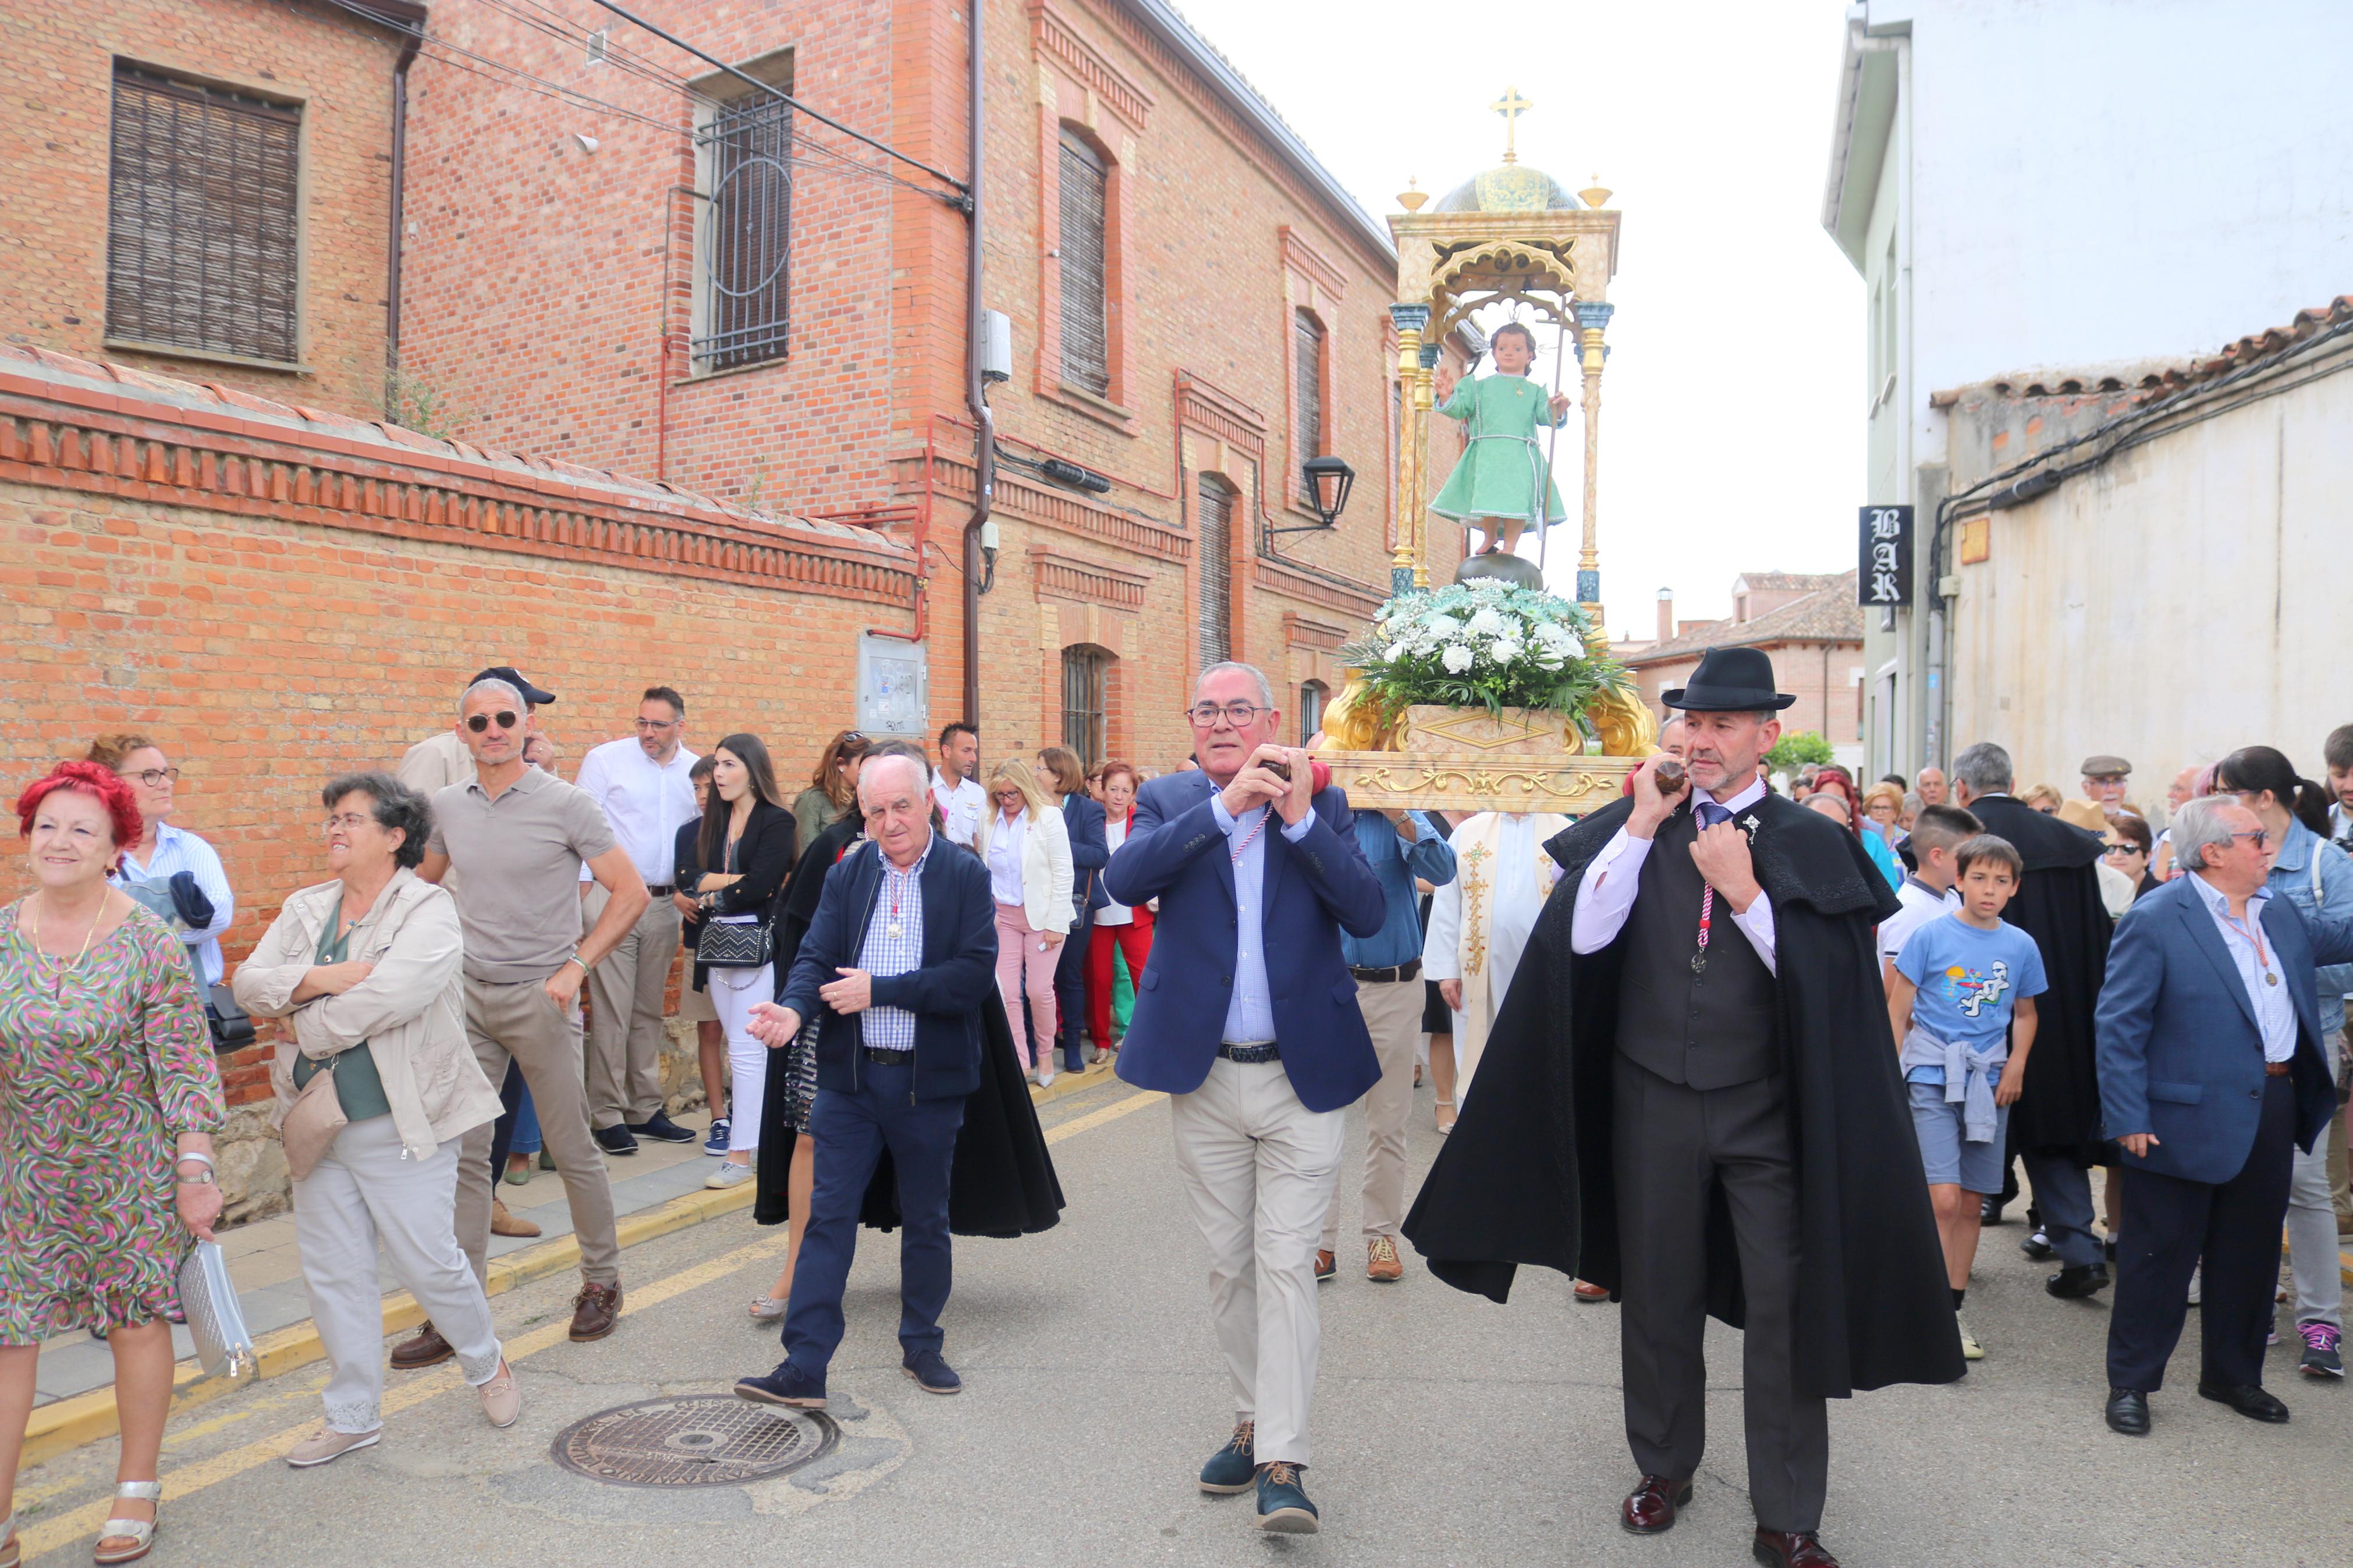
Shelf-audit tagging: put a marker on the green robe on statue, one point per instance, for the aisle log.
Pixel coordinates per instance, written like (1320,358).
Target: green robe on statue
(1500,466)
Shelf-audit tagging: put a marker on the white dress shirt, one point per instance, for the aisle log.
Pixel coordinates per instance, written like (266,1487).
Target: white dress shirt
(2251,950)
(646,802)
(1005,846)
(1606,895)
(961,803)
(178,851)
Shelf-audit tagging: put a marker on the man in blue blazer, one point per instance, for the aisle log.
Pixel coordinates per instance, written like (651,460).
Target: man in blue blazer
(897,963)
(2211,1071)
(1247,1018)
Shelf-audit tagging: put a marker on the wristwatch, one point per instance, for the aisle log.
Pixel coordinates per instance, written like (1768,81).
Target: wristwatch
(202,1179)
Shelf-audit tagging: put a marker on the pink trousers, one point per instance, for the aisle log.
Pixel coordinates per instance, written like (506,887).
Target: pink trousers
(1025,966)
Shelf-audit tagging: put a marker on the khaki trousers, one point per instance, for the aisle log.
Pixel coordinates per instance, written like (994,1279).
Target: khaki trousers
(517,1021)
(1392,1010)
(1258,1168)
(625,1017)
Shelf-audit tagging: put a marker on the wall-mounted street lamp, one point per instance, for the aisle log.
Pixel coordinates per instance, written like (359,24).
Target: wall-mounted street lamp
(1329,480)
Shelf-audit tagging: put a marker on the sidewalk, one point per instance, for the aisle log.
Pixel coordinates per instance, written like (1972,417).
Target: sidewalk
(655,1191)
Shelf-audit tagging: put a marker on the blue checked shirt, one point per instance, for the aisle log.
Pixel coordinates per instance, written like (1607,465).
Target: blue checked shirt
(894,1029)
(178,851)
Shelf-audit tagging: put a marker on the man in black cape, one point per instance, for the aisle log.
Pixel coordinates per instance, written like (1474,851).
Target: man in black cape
(1692,1098)
(2054,1127)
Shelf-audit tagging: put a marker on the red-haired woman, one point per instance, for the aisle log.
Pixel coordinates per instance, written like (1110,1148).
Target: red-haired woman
(1130,929)
(109,1097)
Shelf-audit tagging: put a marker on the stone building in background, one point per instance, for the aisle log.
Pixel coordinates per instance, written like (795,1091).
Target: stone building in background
(1806,621)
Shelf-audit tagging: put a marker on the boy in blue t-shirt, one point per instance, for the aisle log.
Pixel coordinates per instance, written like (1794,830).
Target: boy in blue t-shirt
(1961,1004)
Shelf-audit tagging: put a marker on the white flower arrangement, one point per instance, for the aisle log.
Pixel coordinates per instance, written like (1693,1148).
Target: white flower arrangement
(1483,644)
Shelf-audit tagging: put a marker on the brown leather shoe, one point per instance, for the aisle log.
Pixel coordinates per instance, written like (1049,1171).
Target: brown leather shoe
(1381,1260)
(1650,1506)
(427,1349)
(1587,1293)
(594,1311)
(505,1223)
(1325,1265)
(1791,1549)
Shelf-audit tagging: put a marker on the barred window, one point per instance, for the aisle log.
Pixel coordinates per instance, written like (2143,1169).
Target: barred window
(747,233)
(1214,551)
(1312,697)
(1085,691)
(1086,295)
(1307,344)
(203,226)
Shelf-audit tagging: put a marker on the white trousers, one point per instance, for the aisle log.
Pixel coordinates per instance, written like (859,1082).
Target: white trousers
(1259,1167)
(733,993)
(364,1190)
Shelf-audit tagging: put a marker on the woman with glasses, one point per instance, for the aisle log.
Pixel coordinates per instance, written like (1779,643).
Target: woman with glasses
(2316,877)
(109,1098)
(163,850)
(366,969)
(832,788)
(1022,840)
(747,851)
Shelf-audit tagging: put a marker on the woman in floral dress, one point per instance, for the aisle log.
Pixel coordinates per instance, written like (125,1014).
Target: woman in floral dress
(109,1096)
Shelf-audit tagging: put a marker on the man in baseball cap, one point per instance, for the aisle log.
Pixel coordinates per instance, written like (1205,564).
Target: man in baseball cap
(440,759)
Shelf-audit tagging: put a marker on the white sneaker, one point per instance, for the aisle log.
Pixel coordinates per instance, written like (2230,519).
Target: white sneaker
(729,1175)
(1970,1349)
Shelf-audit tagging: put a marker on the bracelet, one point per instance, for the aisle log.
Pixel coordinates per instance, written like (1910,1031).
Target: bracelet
(578,960)
(204,1160)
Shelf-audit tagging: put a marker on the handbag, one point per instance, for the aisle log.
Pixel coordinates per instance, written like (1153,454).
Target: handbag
(216,1320)
(313,1122)
(735,944)
(231,1026)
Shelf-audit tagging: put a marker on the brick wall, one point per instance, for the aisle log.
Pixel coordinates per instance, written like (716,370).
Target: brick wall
(276,597)
(56,123)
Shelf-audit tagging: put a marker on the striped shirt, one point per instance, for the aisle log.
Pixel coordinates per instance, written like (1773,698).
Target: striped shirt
(178,851)
(894,945)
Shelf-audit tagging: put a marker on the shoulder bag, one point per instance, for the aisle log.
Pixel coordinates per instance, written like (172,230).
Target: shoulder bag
(313,1122)
(733,944)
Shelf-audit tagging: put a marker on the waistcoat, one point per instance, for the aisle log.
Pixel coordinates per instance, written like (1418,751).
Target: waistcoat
(1709,1029)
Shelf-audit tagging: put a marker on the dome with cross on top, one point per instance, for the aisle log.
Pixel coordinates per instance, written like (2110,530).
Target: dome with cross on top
(1511,187)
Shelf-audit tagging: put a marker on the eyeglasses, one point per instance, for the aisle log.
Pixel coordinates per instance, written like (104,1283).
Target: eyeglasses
(346,820)
(2262,835)
(506,719)
(153,778)
(657,725)
(1204,715)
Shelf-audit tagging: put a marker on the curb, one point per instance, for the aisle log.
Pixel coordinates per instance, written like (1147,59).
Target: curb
(83,1418)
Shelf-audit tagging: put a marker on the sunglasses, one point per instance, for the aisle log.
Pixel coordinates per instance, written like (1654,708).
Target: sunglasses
(505,717)
(2126,848)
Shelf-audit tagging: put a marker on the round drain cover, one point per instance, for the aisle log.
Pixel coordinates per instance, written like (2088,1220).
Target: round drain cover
(699,1440)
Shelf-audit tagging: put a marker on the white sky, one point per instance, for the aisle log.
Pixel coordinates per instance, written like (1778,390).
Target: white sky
(1731,422)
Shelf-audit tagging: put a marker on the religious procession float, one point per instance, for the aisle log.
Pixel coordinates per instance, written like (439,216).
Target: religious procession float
(1493,693)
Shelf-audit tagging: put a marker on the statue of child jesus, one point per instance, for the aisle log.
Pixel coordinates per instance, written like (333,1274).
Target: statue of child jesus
(1494,486)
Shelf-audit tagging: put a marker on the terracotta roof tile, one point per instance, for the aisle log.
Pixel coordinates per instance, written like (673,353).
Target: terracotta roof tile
(1826,614)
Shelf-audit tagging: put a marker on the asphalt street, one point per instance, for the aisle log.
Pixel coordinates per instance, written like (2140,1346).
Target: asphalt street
(1448,1430)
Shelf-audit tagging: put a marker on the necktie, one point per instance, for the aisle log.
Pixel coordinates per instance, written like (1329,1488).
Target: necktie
(1710,814)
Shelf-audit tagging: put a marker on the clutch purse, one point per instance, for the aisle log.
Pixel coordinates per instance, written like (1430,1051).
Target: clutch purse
(313,1122)
(215,1321)
(735,944)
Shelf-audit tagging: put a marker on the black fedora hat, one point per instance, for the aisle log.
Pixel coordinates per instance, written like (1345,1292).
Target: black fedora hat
(1729,680)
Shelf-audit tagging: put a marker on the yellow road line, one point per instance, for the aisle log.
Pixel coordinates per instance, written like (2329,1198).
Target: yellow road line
(1112,1112)
(49,1534)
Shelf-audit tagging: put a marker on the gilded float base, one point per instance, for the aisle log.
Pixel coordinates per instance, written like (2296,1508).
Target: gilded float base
(1473,781)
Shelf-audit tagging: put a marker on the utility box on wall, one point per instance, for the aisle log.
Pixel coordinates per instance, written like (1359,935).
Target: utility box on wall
(895,679)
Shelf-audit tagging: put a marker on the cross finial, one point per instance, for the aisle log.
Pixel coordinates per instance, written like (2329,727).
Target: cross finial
(1511,106)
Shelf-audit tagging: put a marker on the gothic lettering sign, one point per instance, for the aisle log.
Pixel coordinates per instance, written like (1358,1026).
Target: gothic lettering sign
(1884,568)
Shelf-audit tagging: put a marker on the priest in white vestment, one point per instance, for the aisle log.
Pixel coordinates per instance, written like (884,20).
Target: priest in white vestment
(1480,922)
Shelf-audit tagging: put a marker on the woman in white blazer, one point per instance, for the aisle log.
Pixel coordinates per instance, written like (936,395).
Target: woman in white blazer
(1027,852)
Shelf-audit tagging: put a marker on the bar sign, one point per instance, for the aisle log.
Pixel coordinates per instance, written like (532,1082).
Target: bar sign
(1884,567)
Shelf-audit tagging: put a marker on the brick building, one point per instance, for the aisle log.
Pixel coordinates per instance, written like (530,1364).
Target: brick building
(1807,622)
(634,260)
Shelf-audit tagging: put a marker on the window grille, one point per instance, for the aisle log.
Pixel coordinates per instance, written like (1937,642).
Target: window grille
(1308,339)
(1086,688)
(1215,551)
(747,234)
(1311,695)
(203,223)
(1086,300)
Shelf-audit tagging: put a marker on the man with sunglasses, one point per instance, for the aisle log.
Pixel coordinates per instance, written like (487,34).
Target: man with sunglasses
(519,836)
(1247,1018)
(442,759)
(2212,1073)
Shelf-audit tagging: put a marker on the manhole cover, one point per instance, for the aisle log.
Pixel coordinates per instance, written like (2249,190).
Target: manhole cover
(700,1440)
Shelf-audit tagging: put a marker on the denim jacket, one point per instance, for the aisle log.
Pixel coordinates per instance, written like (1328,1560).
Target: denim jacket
(2292,878)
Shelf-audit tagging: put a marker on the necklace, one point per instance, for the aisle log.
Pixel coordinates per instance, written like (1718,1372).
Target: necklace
(58,987)
(2254,935)
(895,930)
(1252,836)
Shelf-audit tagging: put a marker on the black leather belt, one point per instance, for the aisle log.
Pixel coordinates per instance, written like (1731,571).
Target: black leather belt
(1410,969)
(886,1058)
(661,889)
(1258,1051)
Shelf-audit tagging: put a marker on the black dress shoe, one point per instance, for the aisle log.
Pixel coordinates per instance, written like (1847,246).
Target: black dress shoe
(2129,1412)
(1990,1211)
(2037,1246)
(2077,1281)
(2248,1399)
(614,1139)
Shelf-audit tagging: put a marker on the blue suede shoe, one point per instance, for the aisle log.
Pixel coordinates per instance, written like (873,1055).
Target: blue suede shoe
(932,1373)
(1283,1505)
(1232,1468)
(787,1385)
